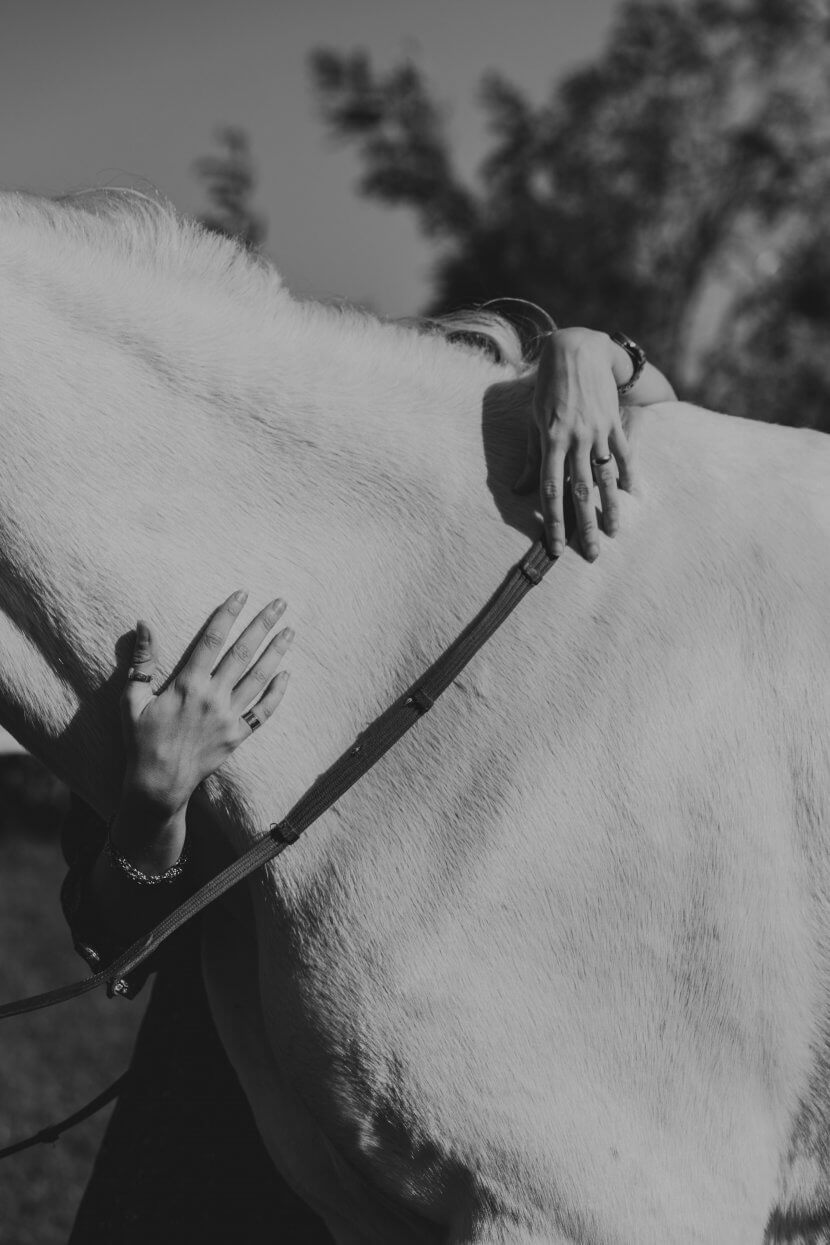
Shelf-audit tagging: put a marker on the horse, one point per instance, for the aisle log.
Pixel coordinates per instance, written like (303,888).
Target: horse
(556,969)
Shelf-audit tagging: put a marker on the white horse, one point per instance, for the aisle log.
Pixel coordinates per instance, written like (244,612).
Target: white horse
(9,745)
(556,970)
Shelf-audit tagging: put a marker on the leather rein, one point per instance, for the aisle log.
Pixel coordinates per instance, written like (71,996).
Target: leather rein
(367,749)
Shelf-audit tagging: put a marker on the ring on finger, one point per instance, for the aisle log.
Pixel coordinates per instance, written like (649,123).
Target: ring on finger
(138,676)
(251,719)
(602,461)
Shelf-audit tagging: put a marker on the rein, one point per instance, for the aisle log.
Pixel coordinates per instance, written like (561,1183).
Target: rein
(368,748)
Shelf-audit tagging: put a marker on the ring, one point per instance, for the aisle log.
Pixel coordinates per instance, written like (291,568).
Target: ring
(601,462)
(136,676)
(251,718)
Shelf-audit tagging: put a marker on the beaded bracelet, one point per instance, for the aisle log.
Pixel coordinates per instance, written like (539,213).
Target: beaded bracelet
(137,875)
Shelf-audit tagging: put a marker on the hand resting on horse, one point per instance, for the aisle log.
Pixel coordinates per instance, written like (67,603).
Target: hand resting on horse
(173,741)
(577,430)
(176,739)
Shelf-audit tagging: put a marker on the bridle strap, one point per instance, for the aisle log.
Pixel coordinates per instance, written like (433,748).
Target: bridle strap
(53,1132)
(367,749)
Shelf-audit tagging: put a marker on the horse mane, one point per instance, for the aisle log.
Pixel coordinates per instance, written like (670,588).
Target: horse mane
(148,229)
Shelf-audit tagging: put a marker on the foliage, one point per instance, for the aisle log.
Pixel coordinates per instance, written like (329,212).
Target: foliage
(640,194)
(230,181)
(780,370)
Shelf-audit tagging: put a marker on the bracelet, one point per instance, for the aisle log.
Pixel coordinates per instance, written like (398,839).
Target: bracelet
(637,356)
(137,875)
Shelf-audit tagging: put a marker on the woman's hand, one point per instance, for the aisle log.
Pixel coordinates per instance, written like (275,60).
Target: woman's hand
(174,740)
(576,423)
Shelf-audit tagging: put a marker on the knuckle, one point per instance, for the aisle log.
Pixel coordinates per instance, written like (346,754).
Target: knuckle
(551,489)
(581,490)
(241,652)
(211,640)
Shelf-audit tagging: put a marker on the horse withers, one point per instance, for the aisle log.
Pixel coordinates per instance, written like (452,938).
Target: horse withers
(556,970)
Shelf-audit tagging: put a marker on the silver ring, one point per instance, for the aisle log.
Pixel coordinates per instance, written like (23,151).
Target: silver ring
(251,718)
(137,676)
(602,462)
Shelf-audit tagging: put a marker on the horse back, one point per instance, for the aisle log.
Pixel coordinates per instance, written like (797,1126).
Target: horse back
(569,934)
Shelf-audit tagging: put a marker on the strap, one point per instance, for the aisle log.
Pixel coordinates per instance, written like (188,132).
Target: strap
(53,1131)
(367,749)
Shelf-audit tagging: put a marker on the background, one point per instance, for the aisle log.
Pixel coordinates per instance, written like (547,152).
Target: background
(661,167)
(101,91)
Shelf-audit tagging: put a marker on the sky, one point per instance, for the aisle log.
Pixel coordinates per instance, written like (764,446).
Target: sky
(98,92)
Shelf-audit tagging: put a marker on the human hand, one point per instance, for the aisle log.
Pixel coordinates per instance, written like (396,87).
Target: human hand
(175,739)
(576,423)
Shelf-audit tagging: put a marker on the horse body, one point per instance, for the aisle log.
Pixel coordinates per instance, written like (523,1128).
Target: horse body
(556,969)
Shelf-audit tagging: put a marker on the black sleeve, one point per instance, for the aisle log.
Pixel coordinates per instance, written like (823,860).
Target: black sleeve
(83,835)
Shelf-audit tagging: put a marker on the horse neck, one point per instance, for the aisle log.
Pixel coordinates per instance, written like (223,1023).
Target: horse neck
(151,470)
(381,533)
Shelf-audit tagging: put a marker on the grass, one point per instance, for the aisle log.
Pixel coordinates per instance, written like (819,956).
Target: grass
(52,1061)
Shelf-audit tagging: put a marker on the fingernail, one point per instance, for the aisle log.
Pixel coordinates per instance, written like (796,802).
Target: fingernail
(240,596)
(592,551)
(276,607)
(142,633)
(288,633)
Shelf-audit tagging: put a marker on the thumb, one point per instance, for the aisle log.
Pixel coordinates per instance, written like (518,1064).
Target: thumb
(142,668)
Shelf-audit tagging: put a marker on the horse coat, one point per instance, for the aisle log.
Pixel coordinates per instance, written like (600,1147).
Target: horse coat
(556,970)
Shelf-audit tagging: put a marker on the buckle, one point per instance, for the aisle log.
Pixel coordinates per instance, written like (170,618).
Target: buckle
(530,571)
(421,699)
(284,831)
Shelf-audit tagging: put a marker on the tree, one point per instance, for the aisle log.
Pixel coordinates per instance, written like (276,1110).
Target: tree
(640,194)
(777,366)
(230,181)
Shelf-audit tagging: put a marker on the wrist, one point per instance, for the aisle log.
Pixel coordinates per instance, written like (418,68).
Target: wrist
(622,366)
(156,801)
(148,831)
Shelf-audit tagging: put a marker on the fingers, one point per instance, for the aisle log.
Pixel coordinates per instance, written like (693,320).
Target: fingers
(582,488)
(551,496)
(605,474)
(211,641)
(261,711)
(261,673)
(138,690)
(622,453)
(239,656)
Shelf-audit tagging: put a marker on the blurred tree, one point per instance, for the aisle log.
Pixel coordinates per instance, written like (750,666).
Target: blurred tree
(230,181)
(641,195)
(777,364)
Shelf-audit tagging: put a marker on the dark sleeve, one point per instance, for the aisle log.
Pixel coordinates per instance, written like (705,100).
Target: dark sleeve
(83,835)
